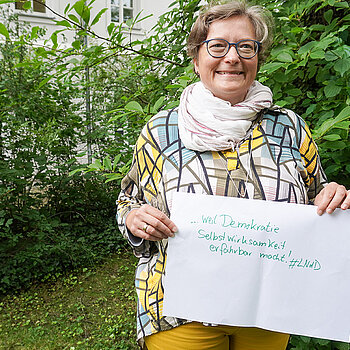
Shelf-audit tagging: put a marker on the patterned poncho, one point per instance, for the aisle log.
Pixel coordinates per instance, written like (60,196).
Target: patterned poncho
(277,161)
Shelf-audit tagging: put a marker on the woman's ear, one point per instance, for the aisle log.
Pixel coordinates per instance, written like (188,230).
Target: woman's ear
(195,66)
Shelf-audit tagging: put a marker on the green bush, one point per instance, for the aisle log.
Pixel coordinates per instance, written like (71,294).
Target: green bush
(49,221)
(74,226)
(309,71)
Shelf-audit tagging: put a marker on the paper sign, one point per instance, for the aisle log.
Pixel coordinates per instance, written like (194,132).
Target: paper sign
(276,266)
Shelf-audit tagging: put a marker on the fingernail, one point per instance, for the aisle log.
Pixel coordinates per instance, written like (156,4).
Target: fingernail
(174,229)
(344,206)
(319,212)
(329,211)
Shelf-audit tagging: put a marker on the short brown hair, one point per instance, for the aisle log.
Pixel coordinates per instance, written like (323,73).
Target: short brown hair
(260,18)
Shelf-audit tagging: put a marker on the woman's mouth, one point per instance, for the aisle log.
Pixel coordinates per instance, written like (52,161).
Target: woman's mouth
(228,73)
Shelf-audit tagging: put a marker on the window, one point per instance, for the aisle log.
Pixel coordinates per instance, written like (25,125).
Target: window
(122,10)
(38,5)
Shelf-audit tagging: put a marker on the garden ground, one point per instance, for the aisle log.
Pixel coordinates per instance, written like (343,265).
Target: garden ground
(85,309)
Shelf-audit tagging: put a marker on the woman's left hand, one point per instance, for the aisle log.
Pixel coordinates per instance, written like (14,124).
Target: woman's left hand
(331,197)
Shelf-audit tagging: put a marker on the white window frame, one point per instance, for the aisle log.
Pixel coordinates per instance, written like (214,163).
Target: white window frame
(32,1)
(135,10)
(37,16)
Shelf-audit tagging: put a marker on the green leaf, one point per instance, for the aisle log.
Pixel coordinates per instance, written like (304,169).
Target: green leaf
(270,67)
(332,137)
(27,5)
(330,56)
(64,23)
(342,4)
(96,165)
(4,31)
(332,89)
(285,57)
(335,145)
(98,16)
(79,7)
(21,65)
(318,27)
(113,177)
(86,15)
(73,172)
(328,16)
(318,54)
(280,77)
(328,124)
(311,108)
(172,104)
(325,42)
(74,18)
(81,32)
(73,61)
(66,9)
(305,339)
(344,114)
(159,103)
(34,33)
(110,28)
(294,92)
(54,39)
(82,10)
(297,30)
(116,161)
(332,169)
(6,1)
(45,81)
(307,47)
(342,66)
(107,164)
(305,35)
(76,44)
(343,125)
(134,106)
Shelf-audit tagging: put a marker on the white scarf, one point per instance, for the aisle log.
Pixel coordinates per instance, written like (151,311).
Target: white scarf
(208,123)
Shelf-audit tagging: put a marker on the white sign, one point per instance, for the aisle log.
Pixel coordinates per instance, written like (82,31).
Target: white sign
(276,266)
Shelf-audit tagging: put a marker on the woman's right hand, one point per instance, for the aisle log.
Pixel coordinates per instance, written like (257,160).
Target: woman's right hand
(150,223)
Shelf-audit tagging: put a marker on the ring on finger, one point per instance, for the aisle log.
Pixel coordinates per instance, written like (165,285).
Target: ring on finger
(145,228)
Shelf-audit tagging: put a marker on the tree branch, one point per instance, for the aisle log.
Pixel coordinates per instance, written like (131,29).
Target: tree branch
(109,40)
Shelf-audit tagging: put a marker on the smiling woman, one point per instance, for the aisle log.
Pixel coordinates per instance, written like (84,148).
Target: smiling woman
(227,138)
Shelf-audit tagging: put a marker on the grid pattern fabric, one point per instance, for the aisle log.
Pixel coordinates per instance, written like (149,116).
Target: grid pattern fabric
(277,161)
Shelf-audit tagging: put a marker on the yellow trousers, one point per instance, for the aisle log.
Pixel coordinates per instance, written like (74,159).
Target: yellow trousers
(196,336)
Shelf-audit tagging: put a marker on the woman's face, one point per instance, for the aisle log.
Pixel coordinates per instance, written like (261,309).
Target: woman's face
(229,77)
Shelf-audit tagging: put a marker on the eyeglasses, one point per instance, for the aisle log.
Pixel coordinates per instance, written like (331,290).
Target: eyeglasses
(220,47)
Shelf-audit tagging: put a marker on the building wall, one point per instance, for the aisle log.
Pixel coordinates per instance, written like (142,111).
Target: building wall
(146,7)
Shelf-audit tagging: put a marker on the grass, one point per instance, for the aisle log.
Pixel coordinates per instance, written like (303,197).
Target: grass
(86,309)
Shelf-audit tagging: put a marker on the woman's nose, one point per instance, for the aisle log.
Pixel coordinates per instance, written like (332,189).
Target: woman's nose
(232,55)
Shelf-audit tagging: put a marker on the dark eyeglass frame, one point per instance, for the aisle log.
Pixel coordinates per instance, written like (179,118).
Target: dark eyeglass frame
(258,43)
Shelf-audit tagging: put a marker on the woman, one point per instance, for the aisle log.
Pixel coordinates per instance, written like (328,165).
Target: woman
(228,139)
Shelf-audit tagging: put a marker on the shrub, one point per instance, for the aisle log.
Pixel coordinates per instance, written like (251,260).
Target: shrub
(309,72)
(48,221)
